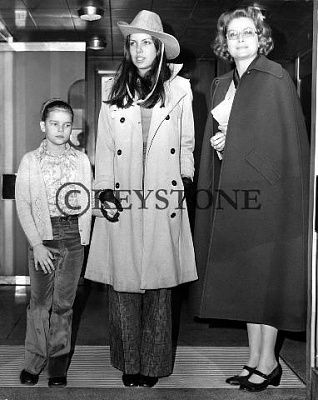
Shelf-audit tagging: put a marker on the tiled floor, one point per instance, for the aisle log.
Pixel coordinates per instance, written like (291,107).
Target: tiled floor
(90,324)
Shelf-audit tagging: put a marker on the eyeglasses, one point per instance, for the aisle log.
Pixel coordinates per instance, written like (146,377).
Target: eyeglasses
(246,33)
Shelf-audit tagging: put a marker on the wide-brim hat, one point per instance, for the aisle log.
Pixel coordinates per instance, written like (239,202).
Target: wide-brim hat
(149,22)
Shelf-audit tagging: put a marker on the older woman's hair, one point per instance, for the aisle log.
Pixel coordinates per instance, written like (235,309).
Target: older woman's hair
(262,29)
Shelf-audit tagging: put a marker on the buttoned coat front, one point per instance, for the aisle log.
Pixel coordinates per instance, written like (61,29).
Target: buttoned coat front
(150,247)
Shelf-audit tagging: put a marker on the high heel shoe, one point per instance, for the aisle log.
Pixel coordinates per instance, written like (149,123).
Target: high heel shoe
(271,379)
(238,379)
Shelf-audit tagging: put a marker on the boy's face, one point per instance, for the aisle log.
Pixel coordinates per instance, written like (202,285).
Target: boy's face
(57,128)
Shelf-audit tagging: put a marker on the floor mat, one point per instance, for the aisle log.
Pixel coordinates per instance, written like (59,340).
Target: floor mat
(195,367)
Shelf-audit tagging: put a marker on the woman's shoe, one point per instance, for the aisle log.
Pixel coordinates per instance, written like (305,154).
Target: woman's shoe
(26,378)
(238,379)
(57,381)
(130,380)
(271,379)
(147,381)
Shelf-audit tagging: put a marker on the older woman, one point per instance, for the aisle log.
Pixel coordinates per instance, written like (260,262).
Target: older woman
(250,231)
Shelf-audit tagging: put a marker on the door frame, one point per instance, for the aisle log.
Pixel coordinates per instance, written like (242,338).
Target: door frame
(312,322)
(96,67)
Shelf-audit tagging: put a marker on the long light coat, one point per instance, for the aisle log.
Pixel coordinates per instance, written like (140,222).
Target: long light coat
(150,247)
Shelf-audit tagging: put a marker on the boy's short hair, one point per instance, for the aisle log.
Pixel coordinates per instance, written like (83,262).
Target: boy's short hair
(54,104)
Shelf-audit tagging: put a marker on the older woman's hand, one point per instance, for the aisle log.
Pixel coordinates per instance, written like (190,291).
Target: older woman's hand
(218,140)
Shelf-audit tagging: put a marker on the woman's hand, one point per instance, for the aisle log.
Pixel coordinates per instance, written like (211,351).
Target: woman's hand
(218,140)
(44,257)
(110,210)
(110,205)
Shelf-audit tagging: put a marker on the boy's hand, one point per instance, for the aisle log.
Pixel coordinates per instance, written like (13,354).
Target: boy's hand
(44,257)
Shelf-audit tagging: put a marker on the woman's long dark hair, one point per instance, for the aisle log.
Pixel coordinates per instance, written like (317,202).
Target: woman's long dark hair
(127,74)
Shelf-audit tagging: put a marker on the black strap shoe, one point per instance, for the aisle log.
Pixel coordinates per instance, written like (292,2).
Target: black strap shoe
(147,381)
(271,379)
(238,379)
(130,380)
(57,381)
(26,378)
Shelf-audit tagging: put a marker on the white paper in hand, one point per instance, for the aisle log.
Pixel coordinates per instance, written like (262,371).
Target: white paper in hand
(221,113)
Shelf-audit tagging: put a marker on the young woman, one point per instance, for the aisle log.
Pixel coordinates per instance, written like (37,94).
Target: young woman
(251,239)
(53,202)
(143,160)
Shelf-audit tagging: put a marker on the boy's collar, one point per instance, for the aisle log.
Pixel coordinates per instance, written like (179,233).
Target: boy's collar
(42,150)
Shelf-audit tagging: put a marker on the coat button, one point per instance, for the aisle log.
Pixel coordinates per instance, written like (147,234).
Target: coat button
(119,152)
(117,185)
(167,117)
(172,151)
(173,215)
(174,183)
(122,119)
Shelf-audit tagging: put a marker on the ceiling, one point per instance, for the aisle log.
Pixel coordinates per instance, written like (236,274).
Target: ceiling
(193,22)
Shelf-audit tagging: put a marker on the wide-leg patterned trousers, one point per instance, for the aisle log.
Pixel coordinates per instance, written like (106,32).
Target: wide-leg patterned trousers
(141,332)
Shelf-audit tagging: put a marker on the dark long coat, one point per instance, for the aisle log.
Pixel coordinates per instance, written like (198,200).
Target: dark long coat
(251,216)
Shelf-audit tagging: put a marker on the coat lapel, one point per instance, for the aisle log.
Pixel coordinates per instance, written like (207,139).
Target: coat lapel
(174,95)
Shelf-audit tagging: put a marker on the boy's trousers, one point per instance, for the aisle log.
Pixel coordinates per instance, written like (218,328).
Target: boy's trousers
(49,314)
(140,332)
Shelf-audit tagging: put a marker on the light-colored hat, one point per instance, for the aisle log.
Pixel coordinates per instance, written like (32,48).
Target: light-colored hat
(149,22)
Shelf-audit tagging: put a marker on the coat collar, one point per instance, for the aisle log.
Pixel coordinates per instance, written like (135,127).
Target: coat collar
(174,94)
(262,64)
(175,69)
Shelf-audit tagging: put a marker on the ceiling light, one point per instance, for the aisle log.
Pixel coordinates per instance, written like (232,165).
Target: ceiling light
(96,43)
(20,18)
(90,11)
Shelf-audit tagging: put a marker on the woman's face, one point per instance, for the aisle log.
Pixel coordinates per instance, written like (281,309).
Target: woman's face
(142,51)
(242,39)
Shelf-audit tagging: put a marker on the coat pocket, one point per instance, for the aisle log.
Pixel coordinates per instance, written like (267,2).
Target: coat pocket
(264,165)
